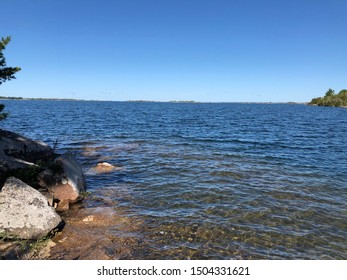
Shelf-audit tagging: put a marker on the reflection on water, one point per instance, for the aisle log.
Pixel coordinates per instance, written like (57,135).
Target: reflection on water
(203,181)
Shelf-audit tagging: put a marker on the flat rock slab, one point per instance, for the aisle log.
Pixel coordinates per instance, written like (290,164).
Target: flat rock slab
(20,147)
(19,152)
(24,212)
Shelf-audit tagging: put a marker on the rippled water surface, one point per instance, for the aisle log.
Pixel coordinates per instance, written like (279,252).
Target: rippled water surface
(209,181)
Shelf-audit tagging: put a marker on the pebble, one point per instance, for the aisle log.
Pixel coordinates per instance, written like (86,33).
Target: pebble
(88,219)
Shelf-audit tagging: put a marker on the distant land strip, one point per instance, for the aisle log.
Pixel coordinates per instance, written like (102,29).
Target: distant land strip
(29,98)
(143,101)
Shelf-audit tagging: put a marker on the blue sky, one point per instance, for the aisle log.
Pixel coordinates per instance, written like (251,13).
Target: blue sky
(217,50)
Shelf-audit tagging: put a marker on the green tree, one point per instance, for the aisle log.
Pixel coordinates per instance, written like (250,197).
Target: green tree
(6,73)
(330,92)
(2,115)
(331,99)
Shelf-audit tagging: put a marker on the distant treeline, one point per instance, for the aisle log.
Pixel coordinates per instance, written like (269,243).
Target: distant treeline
(10,97)
(331,99)
(27,98)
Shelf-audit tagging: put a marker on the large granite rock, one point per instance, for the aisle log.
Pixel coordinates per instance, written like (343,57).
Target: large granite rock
(62,177)
(19,147)
(18,152)
(67,184)
(24,212)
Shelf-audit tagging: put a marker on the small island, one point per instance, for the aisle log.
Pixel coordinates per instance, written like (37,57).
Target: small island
(331,99)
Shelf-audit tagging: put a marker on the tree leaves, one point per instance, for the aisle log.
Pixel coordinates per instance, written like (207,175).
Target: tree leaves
(6,73)
(2,115)
(331,99)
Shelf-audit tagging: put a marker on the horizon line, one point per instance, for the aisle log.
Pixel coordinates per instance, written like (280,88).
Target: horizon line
(144,101)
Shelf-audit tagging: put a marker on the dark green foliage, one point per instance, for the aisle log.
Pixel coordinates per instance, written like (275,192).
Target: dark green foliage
(56,167)
(331,99)
(11,97)
(28,175)
(6,73)
(2,115)
(330,92)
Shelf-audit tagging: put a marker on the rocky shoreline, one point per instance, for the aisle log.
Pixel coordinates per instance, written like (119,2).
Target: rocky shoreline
(46,213)
(37,185)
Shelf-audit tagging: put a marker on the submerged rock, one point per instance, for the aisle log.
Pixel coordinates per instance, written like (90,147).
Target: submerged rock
(24,212)
(104,167)
(99,233)
(66,184)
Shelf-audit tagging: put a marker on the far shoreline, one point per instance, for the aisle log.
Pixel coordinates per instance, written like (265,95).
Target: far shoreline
(150,101)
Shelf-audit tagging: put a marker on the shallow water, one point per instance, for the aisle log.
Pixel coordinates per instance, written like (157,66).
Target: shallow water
(208,181)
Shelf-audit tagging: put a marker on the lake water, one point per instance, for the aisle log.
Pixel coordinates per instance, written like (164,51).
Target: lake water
(208,181)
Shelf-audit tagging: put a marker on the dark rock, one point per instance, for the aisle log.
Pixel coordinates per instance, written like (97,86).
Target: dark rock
(66,186)
(19,147)
(18,152)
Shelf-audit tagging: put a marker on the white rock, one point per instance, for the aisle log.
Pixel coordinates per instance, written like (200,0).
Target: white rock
(24,212)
